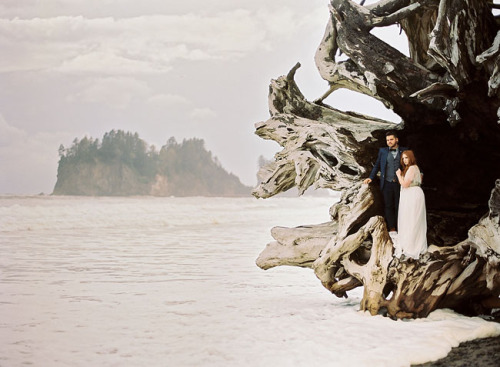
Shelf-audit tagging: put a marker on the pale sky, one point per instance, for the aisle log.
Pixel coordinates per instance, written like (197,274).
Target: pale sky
(161,68)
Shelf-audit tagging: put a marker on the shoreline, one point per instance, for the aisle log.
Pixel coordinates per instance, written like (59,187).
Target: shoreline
(482,352)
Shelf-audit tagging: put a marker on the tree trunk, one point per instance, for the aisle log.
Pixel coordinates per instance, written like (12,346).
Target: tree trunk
(447,95)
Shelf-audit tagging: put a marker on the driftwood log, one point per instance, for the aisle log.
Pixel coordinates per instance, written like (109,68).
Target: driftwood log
(447,95)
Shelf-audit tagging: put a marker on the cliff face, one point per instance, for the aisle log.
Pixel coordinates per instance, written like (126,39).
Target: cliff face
(123,165)
(99,179)
(119,180)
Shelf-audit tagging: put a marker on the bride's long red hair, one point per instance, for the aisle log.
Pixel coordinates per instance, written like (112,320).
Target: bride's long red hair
(411,158)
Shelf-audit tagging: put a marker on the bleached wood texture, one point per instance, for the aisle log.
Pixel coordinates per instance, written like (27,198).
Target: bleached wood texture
(446,92)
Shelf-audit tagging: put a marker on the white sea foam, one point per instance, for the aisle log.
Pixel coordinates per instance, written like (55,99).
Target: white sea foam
(172,282)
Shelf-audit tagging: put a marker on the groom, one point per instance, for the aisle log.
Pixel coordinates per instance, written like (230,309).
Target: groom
(388,162)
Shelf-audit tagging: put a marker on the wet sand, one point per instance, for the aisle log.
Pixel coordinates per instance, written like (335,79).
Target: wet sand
(478,353)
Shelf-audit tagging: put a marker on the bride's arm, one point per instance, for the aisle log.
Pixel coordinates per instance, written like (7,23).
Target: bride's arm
(406,181)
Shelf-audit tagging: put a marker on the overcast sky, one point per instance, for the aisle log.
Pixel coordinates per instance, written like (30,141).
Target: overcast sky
(161,68)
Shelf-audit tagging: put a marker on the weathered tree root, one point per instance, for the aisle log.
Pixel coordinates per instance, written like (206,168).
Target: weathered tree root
(447,94)
(345,257)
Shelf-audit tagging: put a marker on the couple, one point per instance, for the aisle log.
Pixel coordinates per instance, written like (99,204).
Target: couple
(404,201)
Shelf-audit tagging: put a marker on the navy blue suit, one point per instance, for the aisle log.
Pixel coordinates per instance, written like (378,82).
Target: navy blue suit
(390,189)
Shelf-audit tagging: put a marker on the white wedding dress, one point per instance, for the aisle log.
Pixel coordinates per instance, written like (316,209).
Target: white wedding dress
(411,239)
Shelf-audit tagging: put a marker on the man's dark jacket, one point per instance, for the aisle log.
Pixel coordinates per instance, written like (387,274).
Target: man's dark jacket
(381,163)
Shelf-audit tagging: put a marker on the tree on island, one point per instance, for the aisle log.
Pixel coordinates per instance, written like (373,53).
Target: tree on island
(447,95)
(124,164)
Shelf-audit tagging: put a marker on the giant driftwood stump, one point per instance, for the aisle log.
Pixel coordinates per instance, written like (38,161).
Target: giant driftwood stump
(447,95)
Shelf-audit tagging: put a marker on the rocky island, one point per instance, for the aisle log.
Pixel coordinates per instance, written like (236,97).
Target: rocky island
(123,164)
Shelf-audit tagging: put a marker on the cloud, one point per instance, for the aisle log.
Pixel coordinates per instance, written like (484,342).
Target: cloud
(120,92)
(167,100)
(141,44)
(202,114)
(110,62)
(117,92)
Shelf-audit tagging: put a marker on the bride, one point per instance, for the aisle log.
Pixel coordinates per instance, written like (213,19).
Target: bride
(412,223)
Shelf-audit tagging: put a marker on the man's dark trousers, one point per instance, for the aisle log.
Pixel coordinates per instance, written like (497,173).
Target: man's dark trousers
(391,191)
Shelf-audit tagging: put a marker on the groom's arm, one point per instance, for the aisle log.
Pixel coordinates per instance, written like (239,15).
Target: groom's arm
(375,169)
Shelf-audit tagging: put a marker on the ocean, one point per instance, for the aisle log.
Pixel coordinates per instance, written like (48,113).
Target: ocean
(145,281)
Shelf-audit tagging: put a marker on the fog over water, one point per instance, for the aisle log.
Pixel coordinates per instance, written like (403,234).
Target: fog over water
(173,282)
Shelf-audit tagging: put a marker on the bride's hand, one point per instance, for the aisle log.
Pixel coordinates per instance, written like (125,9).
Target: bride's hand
(398,172)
